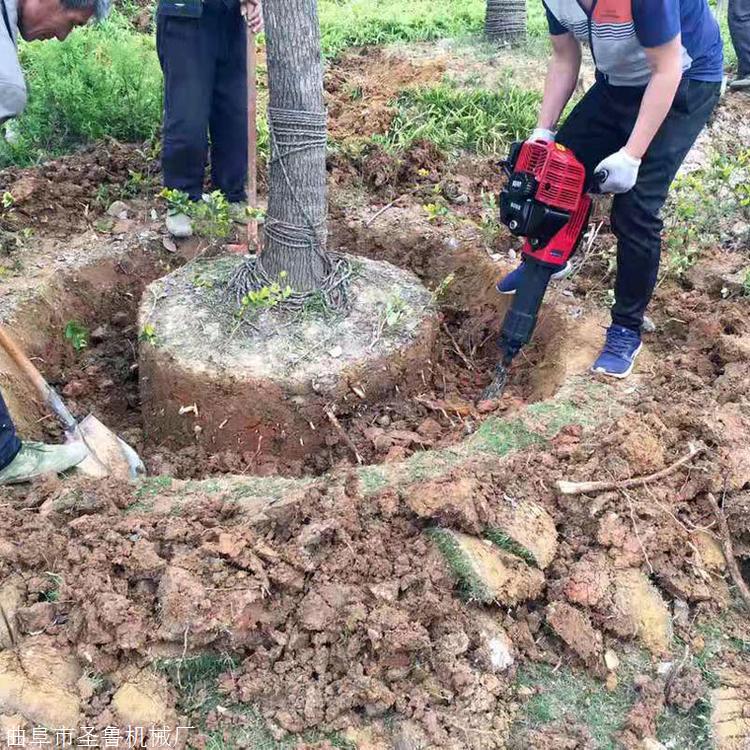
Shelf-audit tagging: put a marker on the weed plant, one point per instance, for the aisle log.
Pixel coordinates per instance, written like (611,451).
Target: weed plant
(104,80)
(455,119)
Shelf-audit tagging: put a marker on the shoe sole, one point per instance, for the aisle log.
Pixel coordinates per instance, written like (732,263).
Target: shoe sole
(619,375)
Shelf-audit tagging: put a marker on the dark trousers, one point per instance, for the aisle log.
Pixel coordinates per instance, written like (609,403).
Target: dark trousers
(205,91)
(739,29)
(600,125)
(9,442)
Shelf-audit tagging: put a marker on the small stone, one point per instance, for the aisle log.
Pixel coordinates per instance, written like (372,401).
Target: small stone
(100,334)
(525,692)
(430,428)
(336,352)
(648,325)
(496,652)
(611,660)
(384,420)
(611,682)
(487,406)
(37,618)
(74,389)
(651,744)
(118,210)
(664,668)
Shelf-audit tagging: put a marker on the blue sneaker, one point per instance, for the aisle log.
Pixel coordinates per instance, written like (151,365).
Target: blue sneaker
(620,350)
(508,284)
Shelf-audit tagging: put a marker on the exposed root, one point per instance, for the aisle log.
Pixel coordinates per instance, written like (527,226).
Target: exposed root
(584,488)
(728,549)
(337,425)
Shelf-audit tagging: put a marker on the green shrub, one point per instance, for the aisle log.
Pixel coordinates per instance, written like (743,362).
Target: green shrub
(463,120)
(103,81)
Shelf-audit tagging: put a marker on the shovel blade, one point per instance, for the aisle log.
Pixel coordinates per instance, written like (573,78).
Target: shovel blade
(108,455)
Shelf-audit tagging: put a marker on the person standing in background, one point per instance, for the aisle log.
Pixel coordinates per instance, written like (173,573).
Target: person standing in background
(202,50)
(739,29)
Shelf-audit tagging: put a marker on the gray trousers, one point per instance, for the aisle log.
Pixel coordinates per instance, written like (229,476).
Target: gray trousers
(739,28)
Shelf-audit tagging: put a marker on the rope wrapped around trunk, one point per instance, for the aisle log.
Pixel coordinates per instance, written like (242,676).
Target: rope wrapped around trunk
(505,19)
(293,132)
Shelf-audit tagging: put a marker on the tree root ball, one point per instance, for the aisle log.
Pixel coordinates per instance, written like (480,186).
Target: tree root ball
(268,380)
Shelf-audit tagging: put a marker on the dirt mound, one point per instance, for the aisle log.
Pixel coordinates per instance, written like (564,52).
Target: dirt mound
(345,611)
(362,88)
(67,195)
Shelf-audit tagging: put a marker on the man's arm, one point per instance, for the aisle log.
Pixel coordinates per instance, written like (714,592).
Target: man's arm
(621,169)
(562,78)
(666,74)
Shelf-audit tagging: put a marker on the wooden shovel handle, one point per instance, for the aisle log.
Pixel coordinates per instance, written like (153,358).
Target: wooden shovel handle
(24,363)
(252,141)
(43,388)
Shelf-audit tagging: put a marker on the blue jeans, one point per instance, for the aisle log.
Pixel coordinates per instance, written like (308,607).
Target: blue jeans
(9,442)
(205,91)
(599,125)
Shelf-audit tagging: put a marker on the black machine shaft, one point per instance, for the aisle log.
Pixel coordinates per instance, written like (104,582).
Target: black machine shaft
(520,320)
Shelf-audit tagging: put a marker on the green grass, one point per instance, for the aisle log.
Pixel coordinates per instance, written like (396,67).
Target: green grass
(103,81)
(501,436)
(691,731)
(470,586)
(348,23)
(455,120)
(500,539)
(572,696)
(195,678)
(703,206)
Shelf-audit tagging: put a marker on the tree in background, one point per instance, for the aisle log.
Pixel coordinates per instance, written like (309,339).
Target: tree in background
(505,20)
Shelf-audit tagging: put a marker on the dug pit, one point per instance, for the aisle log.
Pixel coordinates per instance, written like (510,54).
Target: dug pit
(267,380)
(440,343)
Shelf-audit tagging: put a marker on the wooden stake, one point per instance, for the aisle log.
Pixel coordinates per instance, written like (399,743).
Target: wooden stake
(253,245)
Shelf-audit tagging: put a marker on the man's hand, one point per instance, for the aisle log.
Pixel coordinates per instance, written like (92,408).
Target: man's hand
(620,172)
(252,13)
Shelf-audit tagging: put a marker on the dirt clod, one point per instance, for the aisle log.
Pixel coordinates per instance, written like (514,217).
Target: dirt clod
(640,612)
(575,629)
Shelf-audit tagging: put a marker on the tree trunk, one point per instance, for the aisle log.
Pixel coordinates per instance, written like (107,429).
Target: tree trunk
(295,228)
(506,20)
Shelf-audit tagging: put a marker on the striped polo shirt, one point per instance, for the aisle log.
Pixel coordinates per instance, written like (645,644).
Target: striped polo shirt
(619,31)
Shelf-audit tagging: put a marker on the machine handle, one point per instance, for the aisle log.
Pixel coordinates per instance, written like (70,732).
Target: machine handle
(597,180)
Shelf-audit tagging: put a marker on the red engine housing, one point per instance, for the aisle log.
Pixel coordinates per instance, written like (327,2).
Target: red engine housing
(560,181)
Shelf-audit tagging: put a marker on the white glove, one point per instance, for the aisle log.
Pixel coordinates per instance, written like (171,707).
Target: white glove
(542,134)
(619,172)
